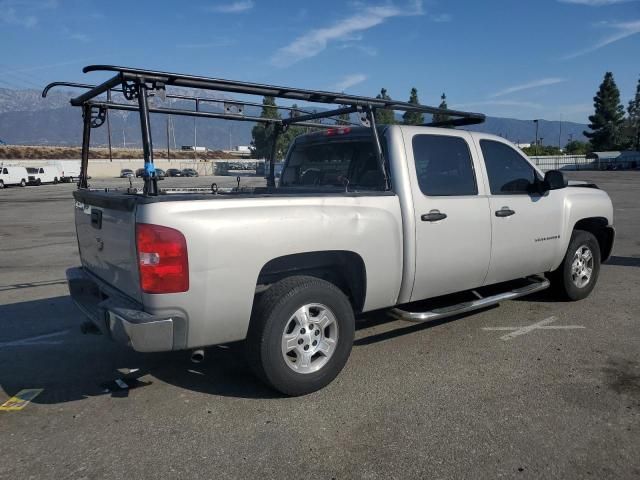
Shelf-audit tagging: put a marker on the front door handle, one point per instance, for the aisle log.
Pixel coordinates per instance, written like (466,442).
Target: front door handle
(504,212)
(433,216)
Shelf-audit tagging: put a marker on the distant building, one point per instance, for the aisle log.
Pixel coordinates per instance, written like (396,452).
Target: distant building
(523,145)
(615,160)
(191,148)
(242,149)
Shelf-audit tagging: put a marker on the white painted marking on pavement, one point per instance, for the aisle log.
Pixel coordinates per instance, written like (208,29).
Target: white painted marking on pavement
(37,340)
(541,325)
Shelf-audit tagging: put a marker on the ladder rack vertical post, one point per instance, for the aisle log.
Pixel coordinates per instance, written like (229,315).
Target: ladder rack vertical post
(86,141)
(150,180)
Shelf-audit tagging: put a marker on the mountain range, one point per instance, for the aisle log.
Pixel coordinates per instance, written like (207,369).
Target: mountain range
(28,119)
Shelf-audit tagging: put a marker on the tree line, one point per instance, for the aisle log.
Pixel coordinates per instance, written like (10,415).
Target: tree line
(611,127)
(261,132)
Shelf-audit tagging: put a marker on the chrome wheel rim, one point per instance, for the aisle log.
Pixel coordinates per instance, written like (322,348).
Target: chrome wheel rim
(309,338)
(582,266)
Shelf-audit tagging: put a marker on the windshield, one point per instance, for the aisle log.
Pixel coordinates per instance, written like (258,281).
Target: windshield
(333,163)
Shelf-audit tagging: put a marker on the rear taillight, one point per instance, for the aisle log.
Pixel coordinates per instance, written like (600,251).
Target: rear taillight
(162,259)
(337,131)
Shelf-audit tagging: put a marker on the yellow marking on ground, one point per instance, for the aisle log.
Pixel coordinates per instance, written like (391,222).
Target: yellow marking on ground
(20,400)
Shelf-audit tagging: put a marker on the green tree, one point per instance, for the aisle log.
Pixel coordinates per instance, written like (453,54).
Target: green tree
(383,116)
(413,118)
(608,118)
(633,120)
(441,117)
(262,133)
(576,147)
(541,150)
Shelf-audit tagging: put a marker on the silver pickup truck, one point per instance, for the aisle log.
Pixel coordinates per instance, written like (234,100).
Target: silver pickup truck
(287,268)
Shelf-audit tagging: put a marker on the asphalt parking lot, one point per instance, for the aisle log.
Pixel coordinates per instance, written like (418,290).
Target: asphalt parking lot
(452,399)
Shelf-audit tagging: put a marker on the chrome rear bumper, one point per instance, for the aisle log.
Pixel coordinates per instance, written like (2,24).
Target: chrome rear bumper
(119,317)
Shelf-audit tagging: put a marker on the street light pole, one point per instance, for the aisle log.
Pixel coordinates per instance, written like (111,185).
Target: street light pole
(536,122)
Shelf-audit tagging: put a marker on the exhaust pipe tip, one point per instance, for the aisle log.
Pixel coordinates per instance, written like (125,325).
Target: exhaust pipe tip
(197,356)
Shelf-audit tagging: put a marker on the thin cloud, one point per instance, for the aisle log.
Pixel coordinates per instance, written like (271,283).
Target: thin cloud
(22,12)
(315,41)
(10,16)
(526,86)
(233,7)
(224,42)
(349,81)
(366,49)
(441,17)
(595,3)
(499,103)
(622,30)
(80,37)
(44,67)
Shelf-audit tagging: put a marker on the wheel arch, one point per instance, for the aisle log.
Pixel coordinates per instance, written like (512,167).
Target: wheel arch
(600,228)
(345,269)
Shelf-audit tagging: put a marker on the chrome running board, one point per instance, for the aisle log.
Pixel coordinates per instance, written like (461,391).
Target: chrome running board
(539,283)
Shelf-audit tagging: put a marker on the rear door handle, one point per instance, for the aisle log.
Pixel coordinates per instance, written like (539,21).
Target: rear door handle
(505,212)
(433,216)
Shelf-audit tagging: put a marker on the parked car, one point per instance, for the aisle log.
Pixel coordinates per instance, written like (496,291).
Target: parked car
(160,174)
(189,172)
(126,173)
(174,172)
(392,217)
(10,175)
(140,173)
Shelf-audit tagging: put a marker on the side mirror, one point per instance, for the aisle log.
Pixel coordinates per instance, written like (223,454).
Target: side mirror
(554,179)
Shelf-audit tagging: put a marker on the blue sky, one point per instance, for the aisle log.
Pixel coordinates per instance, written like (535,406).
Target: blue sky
(518,58)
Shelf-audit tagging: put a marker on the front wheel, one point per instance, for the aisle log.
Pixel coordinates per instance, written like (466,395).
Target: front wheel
(301,334)
(577,275)
(55,181)
(1,184)
(23,183)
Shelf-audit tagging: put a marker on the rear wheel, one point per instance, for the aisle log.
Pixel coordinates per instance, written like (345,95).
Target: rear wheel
(577,275)
(23,183)
(55,181)
(1,184)
(301,334)
(38,182)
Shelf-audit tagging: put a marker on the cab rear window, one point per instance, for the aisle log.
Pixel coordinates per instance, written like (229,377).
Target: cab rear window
(339,164)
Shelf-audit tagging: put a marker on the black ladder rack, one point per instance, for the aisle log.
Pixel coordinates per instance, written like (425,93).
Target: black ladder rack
(138,84)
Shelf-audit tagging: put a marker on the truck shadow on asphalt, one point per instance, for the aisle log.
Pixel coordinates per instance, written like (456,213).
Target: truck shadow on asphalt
(41,346)
(624,261)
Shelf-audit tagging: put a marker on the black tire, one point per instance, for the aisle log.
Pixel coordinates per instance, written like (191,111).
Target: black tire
(38,182)
(1,184)
(562,279)
(23,183)
(272,313)
(55,180)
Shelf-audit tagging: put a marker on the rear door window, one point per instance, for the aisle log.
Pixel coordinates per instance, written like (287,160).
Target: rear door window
(509,173)
(334,164)
(444,166)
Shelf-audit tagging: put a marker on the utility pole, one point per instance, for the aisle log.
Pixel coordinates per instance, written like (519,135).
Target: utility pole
(560,135)
(536,122)
(109,126)
(168,142)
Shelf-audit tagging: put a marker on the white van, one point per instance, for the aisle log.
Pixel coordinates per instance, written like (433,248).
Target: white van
(48,174)
(13,176)
(68,170)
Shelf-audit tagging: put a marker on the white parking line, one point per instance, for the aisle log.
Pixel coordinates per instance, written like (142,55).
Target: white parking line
(541,325)
(38,340)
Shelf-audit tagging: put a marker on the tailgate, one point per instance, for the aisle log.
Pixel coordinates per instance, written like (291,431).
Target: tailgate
(106,229)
